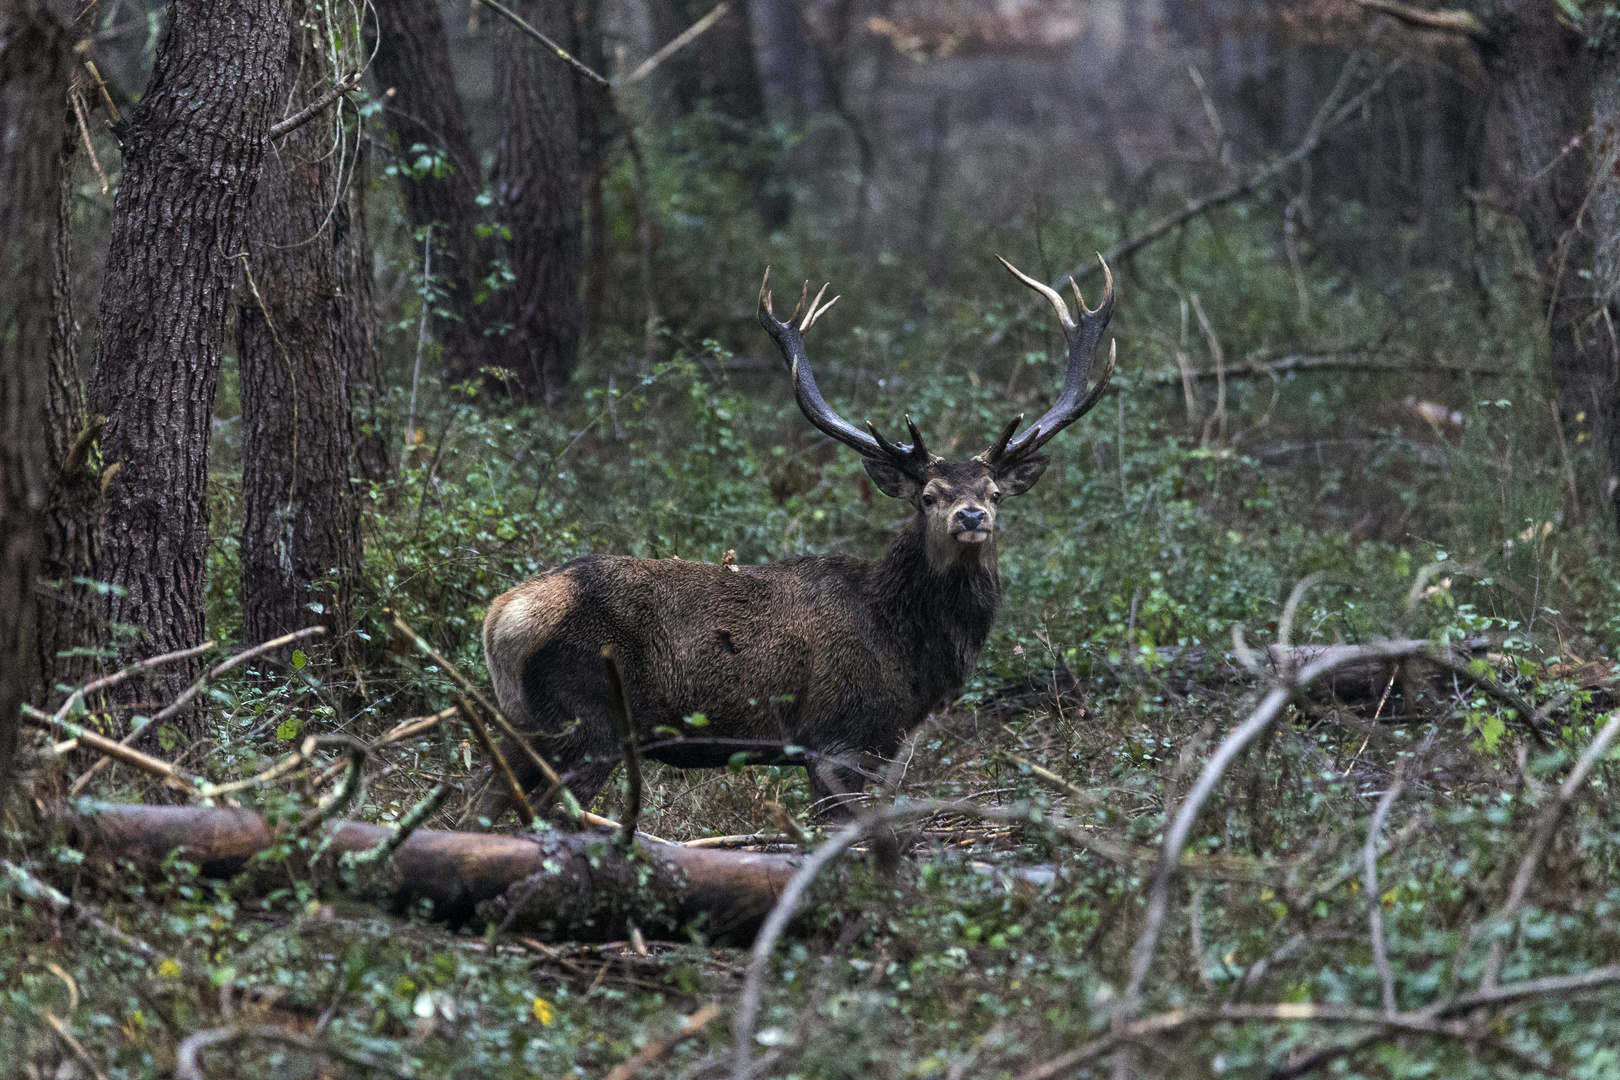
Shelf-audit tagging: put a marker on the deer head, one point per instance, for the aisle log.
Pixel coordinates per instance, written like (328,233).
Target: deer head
(955,500)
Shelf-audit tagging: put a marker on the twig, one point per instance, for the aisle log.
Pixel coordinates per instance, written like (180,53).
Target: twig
(571,805)
(1450,22)
(1181,827)
(91,740)
(675,45)
(657,1048)
(1546,825)
(421,343)
(75,1047)
(201,684)
(514,790)
(1375,908)
(627,742)
(562,54)
(188,1067)
(345,85)
(353,781)
(15,879)
(124,673)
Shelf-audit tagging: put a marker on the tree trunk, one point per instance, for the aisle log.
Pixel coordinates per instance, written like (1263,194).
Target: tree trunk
(537,173)
(371,456)
(728,76)
(192,151)
(1605,202)
(595,114)
(412,71)
(36,61)
(301,533)
(72,624)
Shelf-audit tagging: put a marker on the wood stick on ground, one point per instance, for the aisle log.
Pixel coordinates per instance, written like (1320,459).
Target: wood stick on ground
(1547,823)
(1375,905)
(90,740)
(187,1065)
(627,744)
(74,1046)
(1180,829)
(192,691)
(15,879)
(657,1048)
(514,790)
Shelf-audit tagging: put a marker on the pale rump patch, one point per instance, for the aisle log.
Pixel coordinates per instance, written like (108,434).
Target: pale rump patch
(519,623)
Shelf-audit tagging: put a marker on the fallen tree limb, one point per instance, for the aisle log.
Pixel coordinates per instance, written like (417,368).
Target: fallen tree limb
(549,885)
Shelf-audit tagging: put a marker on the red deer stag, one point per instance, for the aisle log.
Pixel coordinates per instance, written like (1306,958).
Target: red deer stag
(834,656)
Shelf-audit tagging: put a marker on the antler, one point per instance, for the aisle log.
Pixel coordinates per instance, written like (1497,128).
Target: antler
(911,459)
(1074,401)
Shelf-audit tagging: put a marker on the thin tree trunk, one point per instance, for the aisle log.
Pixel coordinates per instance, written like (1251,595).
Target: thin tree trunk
(595,112)
(1540,94)
(192,152)
(728,76)
(359,338)
(72,626)
(36,61)
(1605,209)
(537,171)
(412,71)
(300,534)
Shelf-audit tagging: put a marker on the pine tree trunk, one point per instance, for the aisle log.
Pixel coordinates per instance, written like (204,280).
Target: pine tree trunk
(301,533)
(412,71)
(192,152)
(36,61)
(537,170)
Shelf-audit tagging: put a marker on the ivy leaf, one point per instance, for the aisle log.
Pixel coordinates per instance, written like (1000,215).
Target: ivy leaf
(299,659)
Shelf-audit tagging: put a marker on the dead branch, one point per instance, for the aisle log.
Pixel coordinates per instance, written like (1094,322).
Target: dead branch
(74,1046)
(169,774)
(345,85)
(188,1067)
(15,879)
(673,46)
(514,790)
(1375,905)
(124,673)
(1547,823)
(657,1048)
(1351,360)
(627,744)
(561,53)
(1180,830)
(1450,22)
(1329,117)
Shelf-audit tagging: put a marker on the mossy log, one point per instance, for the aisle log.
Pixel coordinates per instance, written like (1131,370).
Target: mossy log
(551,885)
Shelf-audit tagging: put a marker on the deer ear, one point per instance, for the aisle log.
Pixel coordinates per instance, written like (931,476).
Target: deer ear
(1021,477)
(890,480)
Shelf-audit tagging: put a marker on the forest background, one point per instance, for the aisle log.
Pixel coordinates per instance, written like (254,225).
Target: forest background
(316,314)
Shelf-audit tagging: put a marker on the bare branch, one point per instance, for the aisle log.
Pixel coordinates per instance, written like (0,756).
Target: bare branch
(561,53)
(675,45)
(1450,22)
(343,86)
(1375,907)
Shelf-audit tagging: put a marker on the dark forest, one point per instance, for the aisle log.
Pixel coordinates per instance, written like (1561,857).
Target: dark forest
(809,539)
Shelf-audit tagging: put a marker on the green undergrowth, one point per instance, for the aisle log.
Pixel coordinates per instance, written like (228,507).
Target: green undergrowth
(1432,505)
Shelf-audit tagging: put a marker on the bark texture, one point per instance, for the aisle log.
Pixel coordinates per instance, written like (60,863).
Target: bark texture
(537,176)
(1547,86)
(412,71)
(366,390)
(301,531)
(72,627)
(36,61)
(192,152)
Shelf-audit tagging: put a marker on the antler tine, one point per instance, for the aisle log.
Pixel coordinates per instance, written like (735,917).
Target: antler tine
(997,448)
(1074,400)
(815,312)
(917,447)
(765,293)
(1047,291)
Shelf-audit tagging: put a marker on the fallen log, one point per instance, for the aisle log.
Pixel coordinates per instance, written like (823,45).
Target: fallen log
(551,885)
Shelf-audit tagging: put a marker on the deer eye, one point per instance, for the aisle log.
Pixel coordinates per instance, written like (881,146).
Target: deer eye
(929,500)
(995,496)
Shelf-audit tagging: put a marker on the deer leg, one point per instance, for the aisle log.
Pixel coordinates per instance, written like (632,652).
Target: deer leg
(837,789)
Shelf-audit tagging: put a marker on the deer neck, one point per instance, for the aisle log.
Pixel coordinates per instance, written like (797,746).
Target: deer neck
(941,609)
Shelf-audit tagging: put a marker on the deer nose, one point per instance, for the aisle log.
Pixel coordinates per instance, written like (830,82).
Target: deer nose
(971,520)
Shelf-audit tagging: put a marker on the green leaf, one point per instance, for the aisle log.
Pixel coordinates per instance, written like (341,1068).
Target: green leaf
(299,659)
(737,761)
(287,730)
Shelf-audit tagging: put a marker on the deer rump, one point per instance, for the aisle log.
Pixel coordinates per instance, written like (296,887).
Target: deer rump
(797,653)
